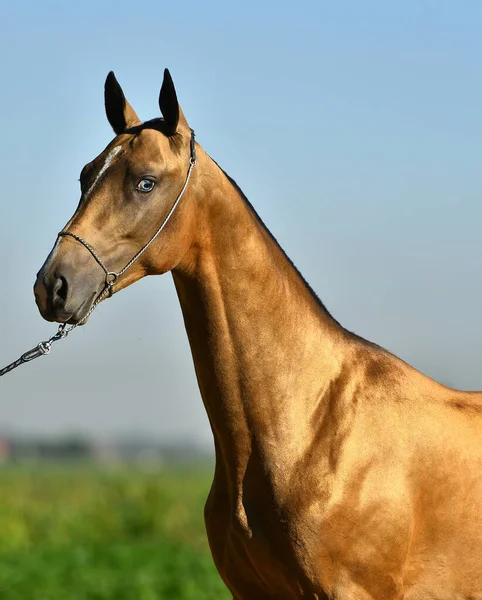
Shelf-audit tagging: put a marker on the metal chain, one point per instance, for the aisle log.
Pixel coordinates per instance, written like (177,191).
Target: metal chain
(111,277)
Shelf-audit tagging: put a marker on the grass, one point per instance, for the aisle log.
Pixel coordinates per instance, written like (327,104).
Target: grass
(80,533)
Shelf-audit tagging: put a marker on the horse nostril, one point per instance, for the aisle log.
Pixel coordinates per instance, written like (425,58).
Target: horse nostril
(59,291)
(62,292)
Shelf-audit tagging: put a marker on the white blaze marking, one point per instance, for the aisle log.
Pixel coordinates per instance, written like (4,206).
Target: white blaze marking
(108,161)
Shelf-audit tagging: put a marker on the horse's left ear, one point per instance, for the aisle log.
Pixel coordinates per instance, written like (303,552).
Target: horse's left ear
(169,105)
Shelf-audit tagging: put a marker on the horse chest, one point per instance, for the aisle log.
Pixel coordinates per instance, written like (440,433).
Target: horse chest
(254,553)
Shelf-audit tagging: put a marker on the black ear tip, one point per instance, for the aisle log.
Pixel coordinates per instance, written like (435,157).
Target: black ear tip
(111,80)
(167,77)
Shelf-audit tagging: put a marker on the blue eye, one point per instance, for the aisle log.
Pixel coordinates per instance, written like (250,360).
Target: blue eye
(145,185)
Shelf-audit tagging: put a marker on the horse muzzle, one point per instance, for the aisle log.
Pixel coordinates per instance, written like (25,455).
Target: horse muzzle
(64,295)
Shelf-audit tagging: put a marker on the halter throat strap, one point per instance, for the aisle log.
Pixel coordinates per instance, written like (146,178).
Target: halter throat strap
(111,277)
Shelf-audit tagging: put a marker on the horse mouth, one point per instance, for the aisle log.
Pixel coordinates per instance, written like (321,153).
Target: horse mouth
(56,314)
(79,316)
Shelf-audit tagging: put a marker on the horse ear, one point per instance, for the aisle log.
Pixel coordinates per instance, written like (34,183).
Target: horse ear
(168,104)
(120,113)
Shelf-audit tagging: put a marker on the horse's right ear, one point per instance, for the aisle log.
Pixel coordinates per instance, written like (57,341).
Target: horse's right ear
(168,104)
(120,113)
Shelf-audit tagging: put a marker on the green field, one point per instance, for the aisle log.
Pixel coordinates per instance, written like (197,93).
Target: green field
(81,533)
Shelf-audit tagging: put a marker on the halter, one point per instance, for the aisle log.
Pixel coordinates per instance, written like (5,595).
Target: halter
(111,277)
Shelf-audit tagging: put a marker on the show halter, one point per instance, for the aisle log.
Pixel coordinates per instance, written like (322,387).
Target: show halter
(111,277)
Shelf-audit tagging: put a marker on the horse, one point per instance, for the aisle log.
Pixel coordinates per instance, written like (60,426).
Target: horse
(341,472)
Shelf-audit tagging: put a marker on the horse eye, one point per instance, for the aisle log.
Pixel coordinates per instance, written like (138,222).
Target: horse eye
(145,185)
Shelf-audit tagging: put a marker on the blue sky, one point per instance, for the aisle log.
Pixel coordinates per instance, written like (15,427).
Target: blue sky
(354,128)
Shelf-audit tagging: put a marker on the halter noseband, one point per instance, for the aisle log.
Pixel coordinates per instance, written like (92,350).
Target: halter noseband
(111,277)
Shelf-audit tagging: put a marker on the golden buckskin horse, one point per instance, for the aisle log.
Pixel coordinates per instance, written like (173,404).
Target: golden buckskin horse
(341,471)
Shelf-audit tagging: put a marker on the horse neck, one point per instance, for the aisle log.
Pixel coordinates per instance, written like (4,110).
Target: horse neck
(264,348)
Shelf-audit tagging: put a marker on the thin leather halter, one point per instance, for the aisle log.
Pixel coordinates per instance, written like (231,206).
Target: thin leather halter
(111,277)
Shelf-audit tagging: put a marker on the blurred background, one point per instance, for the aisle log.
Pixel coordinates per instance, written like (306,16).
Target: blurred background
(355,129)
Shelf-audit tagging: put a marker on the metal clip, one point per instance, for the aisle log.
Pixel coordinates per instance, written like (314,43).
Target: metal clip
(44,347)
(39,350)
